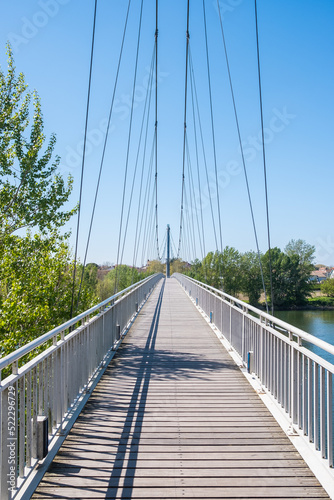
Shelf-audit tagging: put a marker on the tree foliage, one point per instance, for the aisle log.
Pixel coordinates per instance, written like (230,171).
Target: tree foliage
(231,270)
(305,253)
(236,273)
(35,268)
(327,287)
(35,290)
(32,194)
(118,279)
(251,280)
(177,266)
(155,266)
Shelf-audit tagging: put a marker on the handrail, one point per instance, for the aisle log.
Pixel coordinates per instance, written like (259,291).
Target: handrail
(40,400)
(272,319)
(22,351)
(300,381)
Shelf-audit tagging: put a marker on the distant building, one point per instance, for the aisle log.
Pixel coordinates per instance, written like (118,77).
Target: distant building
(321,274)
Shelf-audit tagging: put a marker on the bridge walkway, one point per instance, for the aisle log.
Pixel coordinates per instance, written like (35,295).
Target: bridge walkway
(173,417)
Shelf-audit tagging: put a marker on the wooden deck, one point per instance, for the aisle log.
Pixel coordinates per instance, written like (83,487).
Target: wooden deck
(173,417)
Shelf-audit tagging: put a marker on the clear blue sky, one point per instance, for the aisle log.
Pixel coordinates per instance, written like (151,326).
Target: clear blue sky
(51,41)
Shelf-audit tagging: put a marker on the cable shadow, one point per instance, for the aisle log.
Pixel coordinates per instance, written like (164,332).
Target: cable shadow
(125,406)
(132,418)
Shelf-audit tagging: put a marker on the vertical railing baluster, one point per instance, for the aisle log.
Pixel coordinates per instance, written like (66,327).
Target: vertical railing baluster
(28,420)
(305,396)
(330,418)
(310,382)
(22,427)
(279,372)
(322,412)
(34,413)
(299,390)
(292,385)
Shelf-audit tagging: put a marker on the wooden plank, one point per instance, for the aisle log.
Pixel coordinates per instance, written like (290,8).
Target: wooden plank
(177,481)
(162,463)
(182,492)
(162,472)
(173,417)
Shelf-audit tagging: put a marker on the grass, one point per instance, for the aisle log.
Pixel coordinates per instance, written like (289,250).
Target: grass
(321,301)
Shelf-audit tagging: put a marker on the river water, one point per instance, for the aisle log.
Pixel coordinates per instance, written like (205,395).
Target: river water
(318,323)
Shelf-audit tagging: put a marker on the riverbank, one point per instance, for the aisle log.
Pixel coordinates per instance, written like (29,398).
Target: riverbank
(317,302)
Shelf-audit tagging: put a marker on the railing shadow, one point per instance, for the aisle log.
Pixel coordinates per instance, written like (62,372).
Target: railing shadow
(119,452)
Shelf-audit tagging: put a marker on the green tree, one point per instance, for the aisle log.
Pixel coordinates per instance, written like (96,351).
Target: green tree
(35,269)
(177,266)
(118,279)
(32,194)
(327,287)
(231,271)
(306,254)
(90,276)
(212,269)
(222,270)
(196,270)
(290,284)
(155,266)
(36,288)
(251,280)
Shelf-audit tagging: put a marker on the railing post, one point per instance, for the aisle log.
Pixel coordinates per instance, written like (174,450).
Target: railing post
(316,406)
(243,336)
(8,460)
(250,362)
(293,382)
(330,418)
(310,401)
(322,413)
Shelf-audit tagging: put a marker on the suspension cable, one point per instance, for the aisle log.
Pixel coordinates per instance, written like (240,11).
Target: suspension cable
(264,158)
(185,128)
(156,127)
(149,226)
(103,153)
(146,205)
(128,146)
(144,209)
(137,238)
(212,128)
(173,243)
(189,207)
(203,149)
(192,205)
(146,106)
(197,157)
(164,246)
(83,157)
(242,154)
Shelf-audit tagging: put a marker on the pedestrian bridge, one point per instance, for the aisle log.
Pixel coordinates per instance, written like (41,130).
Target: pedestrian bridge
(163,391)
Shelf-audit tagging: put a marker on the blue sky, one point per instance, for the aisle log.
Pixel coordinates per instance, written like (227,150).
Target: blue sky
(51,42)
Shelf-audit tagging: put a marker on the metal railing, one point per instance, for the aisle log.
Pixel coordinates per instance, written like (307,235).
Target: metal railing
(300,380)
(44,392)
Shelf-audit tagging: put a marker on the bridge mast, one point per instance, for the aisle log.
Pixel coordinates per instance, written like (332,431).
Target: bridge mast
(168,253)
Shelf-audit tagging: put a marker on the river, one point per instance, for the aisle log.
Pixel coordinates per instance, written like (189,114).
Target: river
(318,323)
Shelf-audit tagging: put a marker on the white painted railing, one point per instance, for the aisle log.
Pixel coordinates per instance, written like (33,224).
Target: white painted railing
(299,380)
(45,391)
